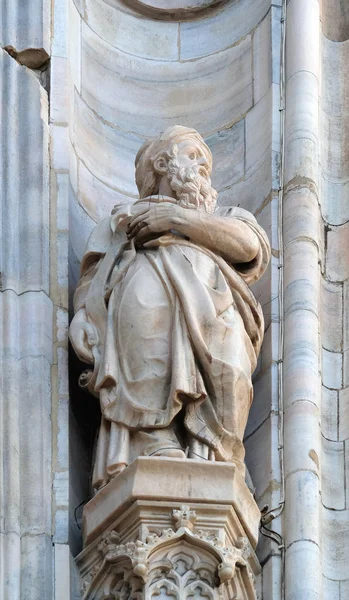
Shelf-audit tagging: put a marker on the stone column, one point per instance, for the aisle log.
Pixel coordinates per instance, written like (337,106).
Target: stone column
(26,335)
(172,529)
(302,255)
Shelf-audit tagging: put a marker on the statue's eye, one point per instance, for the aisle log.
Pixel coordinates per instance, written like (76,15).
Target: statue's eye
(192,156)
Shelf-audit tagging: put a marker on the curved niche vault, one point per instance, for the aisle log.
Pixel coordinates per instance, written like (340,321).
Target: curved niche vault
(135,75)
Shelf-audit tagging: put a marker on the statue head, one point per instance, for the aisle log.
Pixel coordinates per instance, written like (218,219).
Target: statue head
(180,156)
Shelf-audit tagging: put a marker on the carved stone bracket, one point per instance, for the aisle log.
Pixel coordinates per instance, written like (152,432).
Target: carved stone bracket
(156,549)
(181,562)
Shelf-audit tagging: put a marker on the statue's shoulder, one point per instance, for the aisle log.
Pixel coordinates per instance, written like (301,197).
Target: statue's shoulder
(100,238)
(235,212)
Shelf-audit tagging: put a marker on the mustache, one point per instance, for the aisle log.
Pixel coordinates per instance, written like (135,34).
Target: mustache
(192,186)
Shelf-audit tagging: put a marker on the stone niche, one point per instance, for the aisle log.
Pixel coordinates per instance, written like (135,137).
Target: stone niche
(173,8)
(171,529)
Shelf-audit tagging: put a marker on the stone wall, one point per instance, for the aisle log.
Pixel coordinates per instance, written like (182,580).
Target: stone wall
(26,309)
(334,324)
(133,76)
(70,129)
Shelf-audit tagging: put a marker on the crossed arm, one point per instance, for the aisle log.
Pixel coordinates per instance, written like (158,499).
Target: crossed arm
(230,238)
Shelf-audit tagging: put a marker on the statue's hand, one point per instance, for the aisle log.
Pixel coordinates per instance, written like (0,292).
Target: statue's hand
(83,336)
(158,218)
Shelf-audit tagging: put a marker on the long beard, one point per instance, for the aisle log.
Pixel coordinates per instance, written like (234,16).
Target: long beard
(191,188)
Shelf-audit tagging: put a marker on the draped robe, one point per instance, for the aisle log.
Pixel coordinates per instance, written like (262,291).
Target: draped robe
(179,331)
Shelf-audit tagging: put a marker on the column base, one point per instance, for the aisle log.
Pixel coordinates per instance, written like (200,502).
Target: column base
(171,529)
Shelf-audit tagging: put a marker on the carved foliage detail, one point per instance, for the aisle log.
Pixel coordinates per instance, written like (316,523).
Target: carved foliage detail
(174,564)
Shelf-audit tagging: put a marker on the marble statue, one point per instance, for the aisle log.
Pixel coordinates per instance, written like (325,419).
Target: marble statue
(164,313)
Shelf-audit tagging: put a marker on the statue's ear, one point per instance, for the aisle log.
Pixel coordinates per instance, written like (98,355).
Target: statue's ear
(160,165)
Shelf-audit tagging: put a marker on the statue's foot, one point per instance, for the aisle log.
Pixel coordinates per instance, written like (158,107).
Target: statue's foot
(170,453)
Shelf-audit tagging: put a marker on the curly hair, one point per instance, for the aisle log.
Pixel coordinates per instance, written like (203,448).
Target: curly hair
(147,178)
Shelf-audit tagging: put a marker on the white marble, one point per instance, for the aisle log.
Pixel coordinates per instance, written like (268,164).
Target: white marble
(335,535)
(26,24)
(232,23)
(333,476)
(173,178)
(132,105)
(128,32)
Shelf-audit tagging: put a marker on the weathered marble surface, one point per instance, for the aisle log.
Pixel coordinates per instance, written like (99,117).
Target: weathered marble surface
(165,315)
(174,529)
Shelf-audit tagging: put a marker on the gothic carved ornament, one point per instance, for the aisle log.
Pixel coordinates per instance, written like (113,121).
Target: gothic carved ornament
(179,563)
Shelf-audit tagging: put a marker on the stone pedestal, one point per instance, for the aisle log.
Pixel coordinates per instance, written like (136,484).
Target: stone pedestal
(171,529)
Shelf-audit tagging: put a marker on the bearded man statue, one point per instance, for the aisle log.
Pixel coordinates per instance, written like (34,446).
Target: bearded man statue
(164,314)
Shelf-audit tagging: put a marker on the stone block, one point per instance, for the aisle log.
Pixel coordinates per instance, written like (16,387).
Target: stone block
(26,24)
(302,163)
(330,589)
(265,388)
(262,58)
(24,261)
(343,422)
(130,32)
(271,577)
(63,432)
(81,226)
(221,29)
(185,92)
(73,169)
(301,371)
(302,43)
(177,481)
(36,567)
(335,150)
(303,580)
(335,525)
(62,571)
(329,413)
(302,513)
(61,325)
(346,474)
(344,590)
(261,460)
(62,201)
(332,316)
(253,192)
(333,201)
(302,219)
(74,47)
(332,369)
(335,89)
(95,197)
(197,511)
(346,369)
(262,130)
(302,422)
(27,325)
(62,267)
(228,151)
(302,113)
(59,44)
(59,90)
(107,152)
(337,264)
(59,147)
(301,277)
(10,548)
(333,475)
